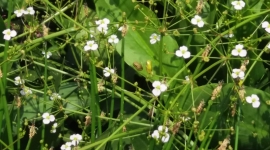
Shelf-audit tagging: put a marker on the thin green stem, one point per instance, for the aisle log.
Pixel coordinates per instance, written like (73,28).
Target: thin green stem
(237,128)
(120,146)
(92,98)
(18,127)
(45,91)
(3,81)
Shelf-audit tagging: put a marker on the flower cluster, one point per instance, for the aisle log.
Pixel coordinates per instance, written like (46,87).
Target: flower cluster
(54,127)
(26,91)
(27,11)
(266,26)
(75,139)
(158,88)
(183,52)
(254,100)
(161,134)
(55,96)
(154,38)
(49,54)
(238,5)
(103,25)
(18,81)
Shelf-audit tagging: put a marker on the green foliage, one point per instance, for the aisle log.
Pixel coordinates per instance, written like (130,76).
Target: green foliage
(203,106)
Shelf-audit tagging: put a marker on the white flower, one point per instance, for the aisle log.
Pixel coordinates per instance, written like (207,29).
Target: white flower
(90,45)
(47,118)
(49,54)
(26,91)
(54,125)
(238,5)
(113,39)
(239,51)
(228,35)
(158,88)
(29,11)
(55,96)
(163,129)
(197,20)
(268,46)
(238,73)
(254,99)
(18,80)
(155,134)
(54,128)
(19,12)
(266,26)
(103,23)
(103,29)
(187,78)
(185,118)
(8,34)
(154,38)
(76,138)
(66,146)
(183,52)
(107,71)
(165,138)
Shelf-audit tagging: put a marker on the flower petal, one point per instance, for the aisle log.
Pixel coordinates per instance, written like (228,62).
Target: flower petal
(156,92)
(256,104)
(249,99)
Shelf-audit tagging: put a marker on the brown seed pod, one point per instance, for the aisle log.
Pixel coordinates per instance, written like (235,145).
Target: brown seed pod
(138,66)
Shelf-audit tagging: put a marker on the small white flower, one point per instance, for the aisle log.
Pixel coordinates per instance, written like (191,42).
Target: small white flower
(266,26)
(26,91)
(229,35)
(197,20)
(158,88)
(155,134)
(239,51)
(76,138)
(154,38)
(187,78)
(185,118)
(18,80)
(165,138)
(163,129)
(254,100)
(107,71)
(103,22)
(8,34)
(19,12)
(268,46)
(55,96)
(90,45)
(238,5)
(183,52)
(54,128)
(47,118)
(66,146)
(54,125)
(102,29)
(238,73)
(49,54)
(29,11)
(113,39)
